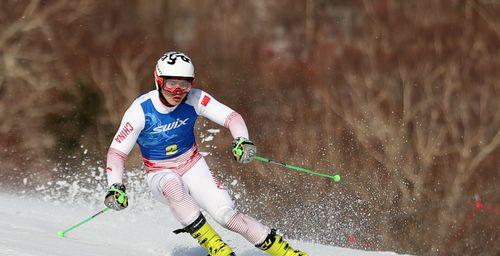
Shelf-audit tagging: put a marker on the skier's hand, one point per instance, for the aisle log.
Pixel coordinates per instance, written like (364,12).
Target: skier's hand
(243,150)
(116,198)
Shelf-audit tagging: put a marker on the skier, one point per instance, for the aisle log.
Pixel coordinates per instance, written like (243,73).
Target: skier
(162,123)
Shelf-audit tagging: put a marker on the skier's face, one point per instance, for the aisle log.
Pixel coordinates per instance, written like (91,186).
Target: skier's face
(175,89)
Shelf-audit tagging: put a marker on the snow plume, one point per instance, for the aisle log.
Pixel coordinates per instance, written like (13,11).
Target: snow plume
(71,192)
(334,217)
(81,178)
(85,184)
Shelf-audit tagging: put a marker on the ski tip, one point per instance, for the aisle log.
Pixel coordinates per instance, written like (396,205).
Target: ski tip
(60,233)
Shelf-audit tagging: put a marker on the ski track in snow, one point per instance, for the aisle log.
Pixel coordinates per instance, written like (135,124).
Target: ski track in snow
(29,226)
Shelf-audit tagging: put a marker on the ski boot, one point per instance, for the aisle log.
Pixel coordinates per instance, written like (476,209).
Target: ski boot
(275,245)
(207,237)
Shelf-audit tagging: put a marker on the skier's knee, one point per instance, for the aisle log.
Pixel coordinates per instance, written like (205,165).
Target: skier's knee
(223,215)
(172,188)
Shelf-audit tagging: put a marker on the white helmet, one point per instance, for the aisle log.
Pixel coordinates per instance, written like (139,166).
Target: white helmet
(175,64)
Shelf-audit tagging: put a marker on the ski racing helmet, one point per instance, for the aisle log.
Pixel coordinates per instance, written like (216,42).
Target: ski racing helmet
(173,64)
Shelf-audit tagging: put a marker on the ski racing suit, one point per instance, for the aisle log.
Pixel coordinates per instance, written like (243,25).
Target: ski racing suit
(177,174)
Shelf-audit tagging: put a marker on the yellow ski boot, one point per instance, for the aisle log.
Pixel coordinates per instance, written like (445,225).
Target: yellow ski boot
(207,237)
(275,245)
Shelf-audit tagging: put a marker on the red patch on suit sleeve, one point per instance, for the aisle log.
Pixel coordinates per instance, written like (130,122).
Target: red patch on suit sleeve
(205,100)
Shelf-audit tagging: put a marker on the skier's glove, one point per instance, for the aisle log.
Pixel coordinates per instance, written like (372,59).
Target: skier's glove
(243,150)
(116,198)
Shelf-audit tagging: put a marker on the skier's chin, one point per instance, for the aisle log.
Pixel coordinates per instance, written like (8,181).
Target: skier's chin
(175,100)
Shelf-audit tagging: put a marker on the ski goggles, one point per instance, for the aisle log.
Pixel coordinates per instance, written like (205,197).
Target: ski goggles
(175,86)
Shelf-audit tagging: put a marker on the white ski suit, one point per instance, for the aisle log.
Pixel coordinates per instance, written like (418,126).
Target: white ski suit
(177,174)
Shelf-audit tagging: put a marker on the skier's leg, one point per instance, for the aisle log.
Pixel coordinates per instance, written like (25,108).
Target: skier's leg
(212,197)
(167,188)
(251,229)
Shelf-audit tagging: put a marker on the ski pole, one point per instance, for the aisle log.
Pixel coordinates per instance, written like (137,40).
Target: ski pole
(335,177)
(62,232)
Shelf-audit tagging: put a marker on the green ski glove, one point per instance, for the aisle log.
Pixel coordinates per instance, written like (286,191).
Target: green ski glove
(243,150)
(116,198)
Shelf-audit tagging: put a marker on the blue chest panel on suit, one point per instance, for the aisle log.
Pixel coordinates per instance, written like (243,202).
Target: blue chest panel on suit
(169,135)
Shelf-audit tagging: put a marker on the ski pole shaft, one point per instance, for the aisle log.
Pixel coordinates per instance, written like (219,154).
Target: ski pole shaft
(62,232)
(334,177)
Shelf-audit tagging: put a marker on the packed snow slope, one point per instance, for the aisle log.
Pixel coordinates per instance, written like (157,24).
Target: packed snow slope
(29,226)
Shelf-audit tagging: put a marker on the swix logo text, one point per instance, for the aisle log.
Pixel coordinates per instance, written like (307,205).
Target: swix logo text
(125,131)
(167,127)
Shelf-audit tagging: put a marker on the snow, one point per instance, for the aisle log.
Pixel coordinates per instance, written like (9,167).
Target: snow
(31,217)
(210,136)
(29,226)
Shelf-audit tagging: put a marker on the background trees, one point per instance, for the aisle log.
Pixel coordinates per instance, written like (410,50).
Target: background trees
(401,98)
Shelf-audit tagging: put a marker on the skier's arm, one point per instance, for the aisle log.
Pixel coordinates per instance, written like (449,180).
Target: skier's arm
(131,126)
(221,114)
(236,125)
(242,148)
